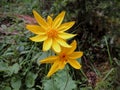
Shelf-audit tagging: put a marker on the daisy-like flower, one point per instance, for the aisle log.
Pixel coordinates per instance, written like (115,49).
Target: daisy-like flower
(52,32)
(67,55)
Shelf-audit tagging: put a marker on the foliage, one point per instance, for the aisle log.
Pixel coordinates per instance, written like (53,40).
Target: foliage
(60,81)
(98,29)
(18,67)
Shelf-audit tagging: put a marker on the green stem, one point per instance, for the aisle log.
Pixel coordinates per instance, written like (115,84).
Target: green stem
(28,55)
(108,51)
(83,73)
(67,78)
(53,83)
(108,74)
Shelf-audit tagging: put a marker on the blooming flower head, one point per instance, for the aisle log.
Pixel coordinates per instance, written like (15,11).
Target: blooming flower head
(67,55)
(52,32)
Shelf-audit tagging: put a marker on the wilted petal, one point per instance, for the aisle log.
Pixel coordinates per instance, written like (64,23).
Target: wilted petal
(66,35)
(54,68)
(47,44)
(50,59)
(56,47)
(62,42)
(58,20)
(76,55)
(39,38)
(74,64)
(40,20)
(66,26)
(36,29)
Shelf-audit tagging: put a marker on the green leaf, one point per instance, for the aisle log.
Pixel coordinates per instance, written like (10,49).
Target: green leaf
(30,79)
(43,55)
(3,26)
(65,83)
(36,56)
(7,88)
(3,66)
(50,85)
(13,69)
(103,5)
(16,83)
(60,81)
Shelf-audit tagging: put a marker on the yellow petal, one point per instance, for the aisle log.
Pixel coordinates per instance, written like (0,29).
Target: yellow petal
(39,38)
(36,29)
(66,35)
(49,20)
(66,26)
(62,42)
(75,64)
(47,44)
(72,49)
(56,47)
(40,20)
(76,55)
(58,20)
(54,68)
(62,64)
(50,59)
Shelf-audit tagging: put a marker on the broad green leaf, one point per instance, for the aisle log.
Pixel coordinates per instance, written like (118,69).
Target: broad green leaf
(30,79)
(65,83)
(13,69)
(16,83)
(50,85)
(60,81)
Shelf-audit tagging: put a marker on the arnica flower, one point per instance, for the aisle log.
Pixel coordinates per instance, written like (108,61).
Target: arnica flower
(67,55)
(52,32)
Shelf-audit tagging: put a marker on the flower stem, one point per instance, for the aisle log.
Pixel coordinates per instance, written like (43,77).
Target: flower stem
(67,78)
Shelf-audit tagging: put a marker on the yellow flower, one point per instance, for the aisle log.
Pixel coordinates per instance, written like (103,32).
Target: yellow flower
(67,55)
(52,32)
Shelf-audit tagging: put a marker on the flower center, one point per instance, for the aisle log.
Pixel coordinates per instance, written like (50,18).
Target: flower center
(52,33)
(63,57)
